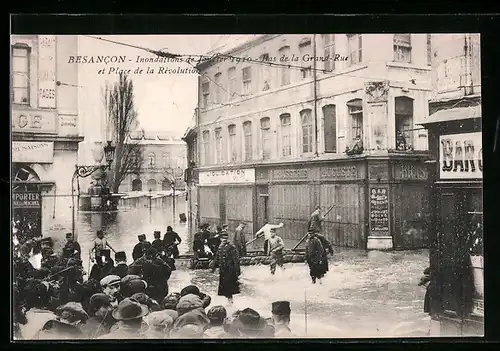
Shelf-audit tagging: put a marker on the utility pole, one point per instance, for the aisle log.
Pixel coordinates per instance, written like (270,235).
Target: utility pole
(173,201)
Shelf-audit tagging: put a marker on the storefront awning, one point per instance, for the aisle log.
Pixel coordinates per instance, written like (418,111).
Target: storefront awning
(453,114)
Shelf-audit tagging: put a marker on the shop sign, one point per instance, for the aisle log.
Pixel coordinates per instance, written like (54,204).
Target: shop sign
(26,200)
(411,171)
(34,121)
(230,176)
(339,172)
(32,152)
(461,156)
(47,71)
(379,210)
(290,174)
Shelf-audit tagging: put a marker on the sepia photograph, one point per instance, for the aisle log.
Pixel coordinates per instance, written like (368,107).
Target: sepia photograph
(265,186)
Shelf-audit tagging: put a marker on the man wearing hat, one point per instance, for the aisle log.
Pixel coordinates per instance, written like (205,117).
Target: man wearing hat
(317,248)
(121,268)
(275,247)
(110,286)
(130,316)
(72,247)
(199,241)
(281,319)
(170,242)
(158,243)
(248,324)
(65,326)
(228,261)
(100,316)
(138,251)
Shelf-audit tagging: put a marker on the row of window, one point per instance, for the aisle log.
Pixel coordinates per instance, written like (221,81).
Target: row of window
(166,162)
(402,53)
(403,116)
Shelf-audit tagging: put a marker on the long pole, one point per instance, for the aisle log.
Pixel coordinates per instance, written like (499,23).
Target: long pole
(173,202)
(305,309)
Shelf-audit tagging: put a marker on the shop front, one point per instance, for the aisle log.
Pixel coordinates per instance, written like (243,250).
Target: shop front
(227,196)
(456,255)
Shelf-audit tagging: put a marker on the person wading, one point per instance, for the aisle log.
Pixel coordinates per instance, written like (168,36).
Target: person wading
(100,243)
(266,232)
(228,261)
(276,247)
(170,241)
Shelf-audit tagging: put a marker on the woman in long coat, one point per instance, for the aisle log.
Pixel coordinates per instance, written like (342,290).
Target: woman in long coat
(228,261)
(317,256)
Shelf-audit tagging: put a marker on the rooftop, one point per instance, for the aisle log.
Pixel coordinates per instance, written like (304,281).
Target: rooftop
(156,137)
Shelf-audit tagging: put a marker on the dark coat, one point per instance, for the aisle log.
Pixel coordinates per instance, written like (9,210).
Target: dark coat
(72,246)
(55,329)
(315,258)
(158,245)
(228,261)
(121,270)
(170,238)
(138,250)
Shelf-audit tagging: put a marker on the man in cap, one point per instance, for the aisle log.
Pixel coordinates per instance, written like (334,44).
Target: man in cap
(281,319)
(239,239)
(217,316)
(138,250)
(72,247)
(130,316)
(170,241)
(316,220)
(199,241)
(100,316)
(158,243)
(110,286)
(65,326)
(266,232)
(121,268)
(275,247)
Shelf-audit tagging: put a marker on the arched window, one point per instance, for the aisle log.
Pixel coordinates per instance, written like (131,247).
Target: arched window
(247,134)
(265,129)
(136,185)
(307,131)
(286,131)
(151,160)
(285,71)
(22,176)
(404,122)
(206,147)
(355,110)
(330,121)
(218,145)
(233,150)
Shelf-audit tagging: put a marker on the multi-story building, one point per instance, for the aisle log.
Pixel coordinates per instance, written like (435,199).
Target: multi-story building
(456,172)
(45,132)
(276,115)
(163,154)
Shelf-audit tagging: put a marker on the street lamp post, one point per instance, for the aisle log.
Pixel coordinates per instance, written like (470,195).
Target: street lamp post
(87,171)
(173,175)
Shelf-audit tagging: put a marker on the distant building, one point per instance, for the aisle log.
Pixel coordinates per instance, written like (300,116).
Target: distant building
(270,140)
(163,153)
(45,134)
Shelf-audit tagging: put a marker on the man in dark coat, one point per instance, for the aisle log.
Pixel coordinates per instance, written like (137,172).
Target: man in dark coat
(156,273)
(72,247)
(199,242)
(316,220)
(213,240)
(228,261)
(317,256)
(121,268)
(170,241)
(239,239)
(138,251)
(158,243)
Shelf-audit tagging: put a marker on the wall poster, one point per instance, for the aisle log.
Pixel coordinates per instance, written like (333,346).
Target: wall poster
(379,210)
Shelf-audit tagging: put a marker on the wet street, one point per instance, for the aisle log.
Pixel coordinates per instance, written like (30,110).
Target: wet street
(363,295)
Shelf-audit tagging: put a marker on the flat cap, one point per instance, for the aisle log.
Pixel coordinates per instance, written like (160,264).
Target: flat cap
(110,280)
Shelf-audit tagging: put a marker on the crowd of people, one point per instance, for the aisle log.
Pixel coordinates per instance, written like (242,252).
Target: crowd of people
(128,301)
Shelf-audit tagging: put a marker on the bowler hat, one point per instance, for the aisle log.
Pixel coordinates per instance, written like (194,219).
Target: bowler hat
(190,289)
(281,308)
(130,309)
(249,320)
(69,235)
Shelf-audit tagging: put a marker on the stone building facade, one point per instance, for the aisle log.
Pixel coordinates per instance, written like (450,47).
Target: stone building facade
(162,152)
(45,133)
(274,123)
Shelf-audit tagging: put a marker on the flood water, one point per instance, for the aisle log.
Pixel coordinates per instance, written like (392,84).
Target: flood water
(363,295)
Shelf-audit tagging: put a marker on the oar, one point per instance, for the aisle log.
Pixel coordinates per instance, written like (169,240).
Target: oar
(305,236)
